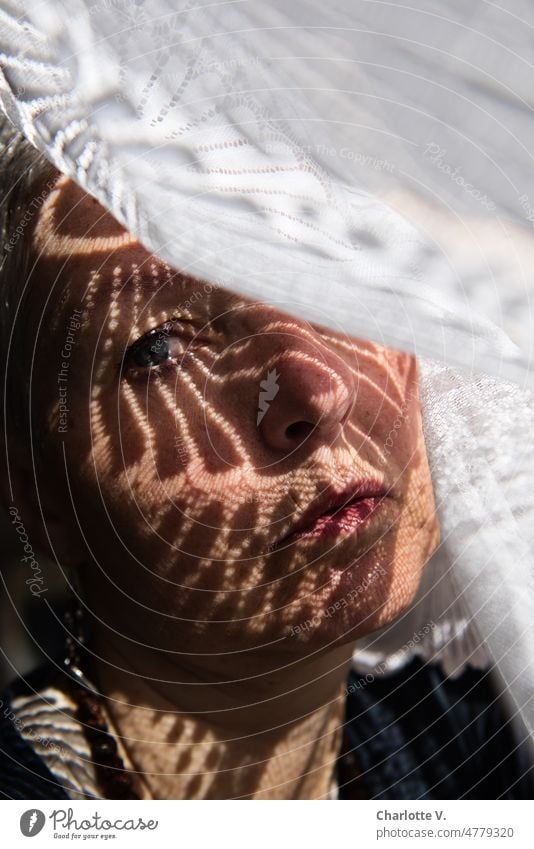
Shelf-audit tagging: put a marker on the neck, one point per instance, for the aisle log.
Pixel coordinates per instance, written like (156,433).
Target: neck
(231,727)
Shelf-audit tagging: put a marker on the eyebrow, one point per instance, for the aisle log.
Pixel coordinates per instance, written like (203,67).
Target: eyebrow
(146,278)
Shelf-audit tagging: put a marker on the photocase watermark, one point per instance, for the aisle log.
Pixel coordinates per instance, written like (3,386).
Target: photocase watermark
(341,603)
(268,392)
(64,819)
(436,154)
(527,208)
(63,374)
(161,334)
(33,207)
(28,731)
(181,449)
(91,824)
(171,79)
(36,580)
(131,13)
(238,499)
(382,667)
(32,822)
(356,156)
(392,436)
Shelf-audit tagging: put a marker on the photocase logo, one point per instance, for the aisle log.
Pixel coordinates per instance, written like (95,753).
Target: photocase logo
(31,822)
(269,390)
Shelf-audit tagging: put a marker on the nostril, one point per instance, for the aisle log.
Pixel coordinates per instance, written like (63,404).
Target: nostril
(299,430)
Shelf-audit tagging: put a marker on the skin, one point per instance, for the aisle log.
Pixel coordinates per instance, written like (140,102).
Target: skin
(223,658)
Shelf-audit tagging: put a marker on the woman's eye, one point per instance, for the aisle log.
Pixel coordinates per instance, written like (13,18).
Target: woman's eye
(169,343)
(150,350)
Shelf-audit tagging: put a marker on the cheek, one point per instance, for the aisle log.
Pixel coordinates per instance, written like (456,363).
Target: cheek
(388,410)
(162,498)
(398,434)
(174,421)
(417,535)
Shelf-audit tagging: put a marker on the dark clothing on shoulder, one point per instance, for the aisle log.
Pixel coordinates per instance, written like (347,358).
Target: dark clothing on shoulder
(415,734)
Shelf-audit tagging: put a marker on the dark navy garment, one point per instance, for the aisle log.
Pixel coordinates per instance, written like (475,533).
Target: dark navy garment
(419,735)
(412,735)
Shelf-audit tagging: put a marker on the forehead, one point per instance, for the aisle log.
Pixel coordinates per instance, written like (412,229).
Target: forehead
(71,223)
(78,243)
(84,254)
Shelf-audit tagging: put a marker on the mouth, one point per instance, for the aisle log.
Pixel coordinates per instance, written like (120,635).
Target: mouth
(338,514)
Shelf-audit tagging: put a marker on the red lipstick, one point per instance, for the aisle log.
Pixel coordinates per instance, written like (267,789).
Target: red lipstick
(338,513)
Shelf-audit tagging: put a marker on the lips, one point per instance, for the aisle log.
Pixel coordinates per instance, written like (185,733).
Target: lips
(340,513)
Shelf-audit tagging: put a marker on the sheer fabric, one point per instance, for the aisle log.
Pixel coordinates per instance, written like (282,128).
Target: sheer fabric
(271,148)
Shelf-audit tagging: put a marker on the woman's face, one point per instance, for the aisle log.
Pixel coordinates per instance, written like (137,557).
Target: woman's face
(197,440)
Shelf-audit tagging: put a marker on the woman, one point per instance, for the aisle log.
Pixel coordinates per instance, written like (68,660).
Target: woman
(219,485)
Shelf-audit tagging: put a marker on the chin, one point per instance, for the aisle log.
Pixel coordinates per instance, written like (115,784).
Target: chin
(356,602)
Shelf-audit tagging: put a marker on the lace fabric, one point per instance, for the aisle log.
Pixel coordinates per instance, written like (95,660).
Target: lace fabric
(255,145)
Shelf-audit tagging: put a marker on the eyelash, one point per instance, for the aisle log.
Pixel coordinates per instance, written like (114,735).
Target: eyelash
(163,332)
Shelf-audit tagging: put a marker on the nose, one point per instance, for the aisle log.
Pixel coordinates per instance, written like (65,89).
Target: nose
(305,397)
